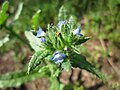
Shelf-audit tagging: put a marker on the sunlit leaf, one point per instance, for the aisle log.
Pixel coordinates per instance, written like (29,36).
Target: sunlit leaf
(3,15)
(33,40)
(35,19)
(19,10)
(4,40)
(5,6)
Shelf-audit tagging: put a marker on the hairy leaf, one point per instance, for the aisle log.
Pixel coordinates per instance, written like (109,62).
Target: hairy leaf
(33,40)
(36,59)
(80,61)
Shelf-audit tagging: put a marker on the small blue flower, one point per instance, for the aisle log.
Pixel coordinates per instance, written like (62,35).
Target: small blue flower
(77,31)
(40,33)
(61,23)
(43,40)
(58,57)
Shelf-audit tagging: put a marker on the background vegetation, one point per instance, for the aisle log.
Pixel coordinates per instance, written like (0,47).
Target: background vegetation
(99,19)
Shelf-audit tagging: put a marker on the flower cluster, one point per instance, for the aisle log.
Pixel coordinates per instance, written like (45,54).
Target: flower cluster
(57,57)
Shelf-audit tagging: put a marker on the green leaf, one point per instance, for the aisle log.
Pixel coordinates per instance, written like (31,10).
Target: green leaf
(36,59)
(44,69)
(3,15)
(51,69)
(55,84)
(66,66)
(33,40)
(72,22)
(80,40)
(48,57)
(51,36)
(80,61)
(63,14)
(19,10)
(4,40)
(5,6)
(55,71)
(17,78)
(35,19)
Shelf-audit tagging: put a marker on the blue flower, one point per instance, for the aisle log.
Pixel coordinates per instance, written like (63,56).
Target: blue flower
(43,40)
(58,57)
(40,33)
(61,23)
(77,31)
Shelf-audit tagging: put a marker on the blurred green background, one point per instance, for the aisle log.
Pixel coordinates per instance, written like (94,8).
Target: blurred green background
(99,19)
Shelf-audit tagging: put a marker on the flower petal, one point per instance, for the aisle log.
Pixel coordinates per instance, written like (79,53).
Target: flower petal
(80,34)
(43,40)
(40,33)
(59,61)
(61,23)
(58,57)
(77,31)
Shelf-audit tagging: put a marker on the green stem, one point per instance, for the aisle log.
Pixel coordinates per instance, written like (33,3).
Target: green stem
(13,33)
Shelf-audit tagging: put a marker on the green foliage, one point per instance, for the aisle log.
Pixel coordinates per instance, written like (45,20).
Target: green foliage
(19,10)
(44,51)
(55,84)
(63,13)
(4,40)
(5,6)
(35,19)
(79,88)
(3,14)
(66,66)
(104,20)
(115,86)
(18,78)
(36,59)
(73,86)
(80,40)
(57,39)
(80,61)
(34,41)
